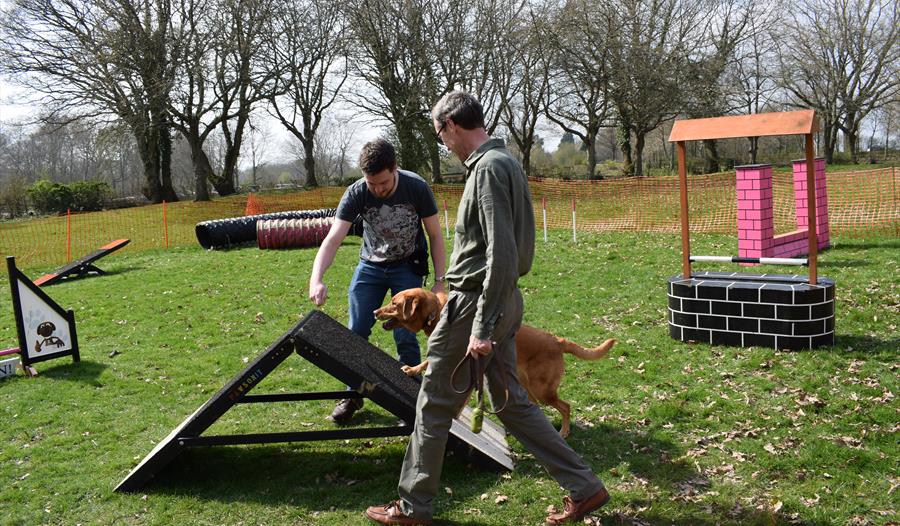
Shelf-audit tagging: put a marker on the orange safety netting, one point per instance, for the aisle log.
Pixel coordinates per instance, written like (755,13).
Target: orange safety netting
(860,203)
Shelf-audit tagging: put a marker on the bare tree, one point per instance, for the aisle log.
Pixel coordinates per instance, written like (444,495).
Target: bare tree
(194,105)
(488,72)
(307,54)
(411,52)
(530,83)
(243,78)
(649,43)
(333,148)
(753,72)
(707,93)
(841,58)
(577,60)
(99,58)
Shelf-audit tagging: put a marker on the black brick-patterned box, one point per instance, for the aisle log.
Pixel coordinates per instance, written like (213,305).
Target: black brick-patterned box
(745,310)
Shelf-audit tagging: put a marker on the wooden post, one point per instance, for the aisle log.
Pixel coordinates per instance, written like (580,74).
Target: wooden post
(574,237)
(68,234)
(685,222)
(544,209)
(446,220)
(811,207)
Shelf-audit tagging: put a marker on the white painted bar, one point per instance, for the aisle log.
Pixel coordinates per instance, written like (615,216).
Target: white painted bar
(762,261)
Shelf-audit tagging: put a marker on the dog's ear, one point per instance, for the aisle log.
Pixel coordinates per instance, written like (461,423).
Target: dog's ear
(410,307)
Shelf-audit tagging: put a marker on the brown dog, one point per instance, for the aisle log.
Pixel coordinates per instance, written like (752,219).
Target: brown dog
(539,354)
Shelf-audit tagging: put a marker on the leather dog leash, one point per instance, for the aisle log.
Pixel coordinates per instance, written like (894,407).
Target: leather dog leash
(477,368)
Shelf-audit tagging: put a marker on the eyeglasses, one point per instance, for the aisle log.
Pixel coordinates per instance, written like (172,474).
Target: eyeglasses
(441,130)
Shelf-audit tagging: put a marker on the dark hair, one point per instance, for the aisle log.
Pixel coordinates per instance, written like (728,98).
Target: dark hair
(460,107)
(377,156)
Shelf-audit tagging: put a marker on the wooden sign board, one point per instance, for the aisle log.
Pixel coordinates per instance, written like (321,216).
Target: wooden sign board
(45,329)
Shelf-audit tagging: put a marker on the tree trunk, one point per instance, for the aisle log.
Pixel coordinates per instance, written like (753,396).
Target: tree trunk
(435,153)
(711,156)
(202,169)
(148,149)
(309,163)
(225,184)
(624,136)
(851,142)
(165,163)
(828,130)
(407,155)
(754,148)
(589,144)
(526,157)
(639,154)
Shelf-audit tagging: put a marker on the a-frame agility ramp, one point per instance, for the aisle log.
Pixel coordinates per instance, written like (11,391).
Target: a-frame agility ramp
(347,357)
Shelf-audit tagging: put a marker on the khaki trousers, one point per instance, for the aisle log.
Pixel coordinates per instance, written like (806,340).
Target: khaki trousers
(438,404)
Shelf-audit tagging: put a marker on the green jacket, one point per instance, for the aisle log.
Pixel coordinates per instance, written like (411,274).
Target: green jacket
(494,242)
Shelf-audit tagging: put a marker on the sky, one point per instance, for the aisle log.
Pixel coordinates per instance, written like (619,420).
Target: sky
(15,106)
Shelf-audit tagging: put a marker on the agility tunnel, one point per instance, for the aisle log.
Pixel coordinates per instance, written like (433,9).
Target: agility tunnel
(226,233)
(292,233)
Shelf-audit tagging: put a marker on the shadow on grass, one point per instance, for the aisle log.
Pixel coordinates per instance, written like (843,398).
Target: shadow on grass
(864,245)
(84,371)
(352,475)
(79,277)
(867,345)
(849,263)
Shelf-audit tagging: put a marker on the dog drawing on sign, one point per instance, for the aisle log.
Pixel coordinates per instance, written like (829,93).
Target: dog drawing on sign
(45,330)
(539,355)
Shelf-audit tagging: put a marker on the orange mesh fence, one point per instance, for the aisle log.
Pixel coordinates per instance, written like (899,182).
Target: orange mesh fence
(860,203)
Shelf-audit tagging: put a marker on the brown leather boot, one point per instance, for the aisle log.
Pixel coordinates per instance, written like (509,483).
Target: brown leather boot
(391,513)
(575,510)
(345,409)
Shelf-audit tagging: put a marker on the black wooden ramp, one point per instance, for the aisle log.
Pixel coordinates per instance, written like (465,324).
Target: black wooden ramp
(344,355)
(81,267)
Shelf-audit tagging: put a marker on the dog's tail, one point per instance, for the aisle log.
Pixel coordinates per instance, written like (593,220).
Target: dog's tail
(588,354)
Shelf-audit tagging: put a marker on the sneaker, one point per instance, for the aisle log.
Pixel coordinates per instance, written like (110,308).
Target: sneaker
(345,409)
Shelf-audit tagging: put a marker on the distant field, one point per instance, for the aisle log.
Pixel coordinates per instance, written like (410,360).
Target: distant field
(860,203)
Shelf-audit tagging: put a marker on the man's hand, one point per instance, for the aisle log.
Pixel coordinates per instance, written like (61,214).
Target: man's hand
(439,287)
(479,347)
(318,293)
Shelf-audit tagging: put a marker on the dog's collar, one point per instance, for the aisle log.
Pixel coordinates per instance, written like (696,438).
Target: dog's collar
(431,321)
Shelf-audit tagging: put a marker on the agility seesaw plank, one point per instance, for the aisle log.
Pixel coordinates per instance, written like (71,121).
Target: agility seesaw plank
(372,374)
(82,267)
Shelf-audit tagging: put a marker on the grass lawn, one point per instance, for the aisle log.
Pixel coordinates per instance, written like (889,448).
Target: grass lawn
(681,434)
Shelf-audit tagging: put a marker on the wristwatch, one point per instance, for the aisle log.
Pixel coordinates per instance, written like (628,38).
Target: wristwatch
(440,279)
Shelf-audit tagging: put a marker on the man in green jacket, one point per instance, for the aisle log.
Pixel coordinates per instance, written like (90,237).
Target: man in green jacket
(493,247)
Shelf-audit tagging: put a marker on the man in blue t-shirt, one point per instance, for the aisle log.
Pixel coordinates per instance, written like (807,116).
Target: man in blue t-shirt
(393,205)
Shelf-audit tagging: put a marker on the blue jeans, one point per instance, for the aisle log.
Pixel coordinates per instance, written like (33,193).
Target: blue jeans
(368,287)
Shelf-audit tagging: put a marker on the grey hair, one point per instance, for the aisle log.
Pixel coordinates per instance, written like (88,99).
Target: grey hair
(460,107)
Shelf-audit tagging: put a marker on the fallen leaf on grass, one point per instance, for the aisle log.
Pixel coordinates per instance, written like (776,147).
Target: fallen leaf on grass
(809,503)
(501,499)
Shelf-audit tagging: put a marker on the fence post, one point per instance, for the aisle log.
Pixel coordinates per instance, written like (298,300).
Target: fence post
(446,220)
(165,223)
(68,234)
(574,238)
(544,210)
